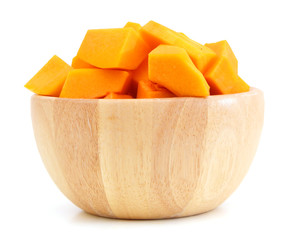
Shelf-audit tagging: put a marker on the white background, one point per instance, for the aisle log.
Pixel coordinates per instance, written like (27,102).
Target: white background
(263,35)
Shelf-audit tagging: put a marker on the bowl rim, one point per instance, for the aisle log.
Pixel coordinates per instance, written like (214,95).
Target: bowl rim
(252,91)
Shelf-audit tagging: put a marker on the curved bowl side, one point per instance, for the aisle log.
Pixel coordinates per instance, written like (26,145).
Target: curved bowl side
(148,158)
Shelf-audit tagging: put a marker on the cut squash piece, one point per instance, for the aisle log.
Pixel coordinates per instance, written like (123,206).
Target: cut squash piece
(171,67)
(50,78)
(240,86)
(148,89)
(118,96)
(155,34)
(222,78)
(78,63)
(222,48)
(133,25)
(118,48)
(222,74)
(95,83)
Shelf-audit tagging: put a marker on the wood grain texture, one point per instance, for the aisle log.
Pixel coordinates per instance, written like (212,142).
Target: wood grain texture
(148,158)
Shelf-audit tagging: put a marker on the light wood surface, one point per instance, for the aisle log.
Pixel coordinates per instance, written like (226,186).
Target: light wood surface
(148,158)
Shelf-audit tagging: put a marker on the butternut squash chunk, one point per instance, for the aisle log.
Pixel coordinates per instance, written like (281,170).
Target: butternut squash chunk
(240,86)
(155,34)
(118,48)
(171,67)
(222,74)
(78,63)
(95,83)
(133,25)
(223,80)
(50,78)
(148,89)
(117,96)
(222,48)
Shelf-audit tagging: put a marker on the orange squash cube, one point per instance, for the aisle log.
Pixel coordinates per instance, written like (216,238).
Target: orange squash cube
(95,83)
(171,67)
(50,78)
(118,48)
(222,74)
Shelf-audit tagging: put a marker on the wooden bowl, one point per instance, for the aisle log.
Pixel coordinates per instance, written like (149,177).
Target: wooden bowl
(148,158)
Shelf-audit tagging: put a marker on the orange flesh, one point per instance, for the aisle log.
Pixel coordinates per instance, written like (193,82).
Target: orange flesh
(78,63)
(222,48)
(95,83)
(155,34)
(171,67)
(222,74)
(117,48)
(50,78)
(117,96)
(140,74)
(133,25)
(148,89)
(149,61)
